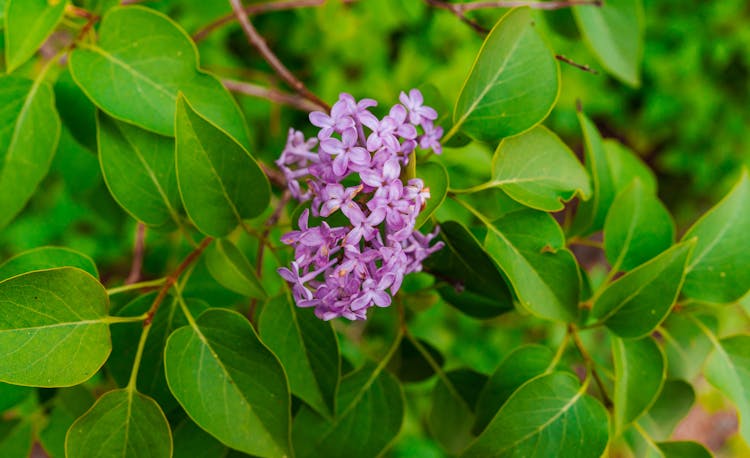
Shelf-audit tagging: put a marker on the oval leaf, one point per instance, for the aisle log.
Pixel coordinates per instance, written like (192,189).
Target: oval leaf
(232,270)
(538,170)
(138,167)
(637,228)
(626,166)
(122,423)
(640,371)
(220,183)
(545,415)
(683,449)
(672,405)
(364,395)
(636,303)
(513,84)
(53,329)
(140,63)
(27,24)
(28,140)
(728,369)
(229,383)
(436,178)
(614,33)
(719,271)
(47,257)
(308,350)
(529,247)
(452,412)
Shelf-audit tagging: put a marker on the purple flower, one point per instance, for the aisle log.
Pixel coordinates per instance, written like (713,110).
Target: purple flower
(348,156)
(338,121)
(431,137)
(417,112)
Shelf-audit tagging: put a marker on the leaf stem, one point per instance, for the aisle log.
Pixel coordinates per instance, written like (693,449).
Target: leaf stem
(558,355)
(134,286)
(585,242)
(590,365)
(123,319)
(480,187)
(138,356)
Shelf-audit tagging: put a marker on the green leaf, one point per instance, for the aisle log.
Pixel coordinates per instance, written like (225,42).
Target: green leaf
(68,405)
(529,247)
(10,395)
(27,24)
(545,415)
(308,350)
(53,328)
(220,183)
(480,289)
(452,412)
(538,170)
(408,364)
(640,371)
(16,438)
(47,257)
(138,167)
(232,270)
(591,213)
(625,166)
(719,270)
(520,366)
(672,405)
(436,178)
(686,345)
(229,383)
(369,413)
(637,228)
(636,303)
(190,441)
(140,63)
(28,140)
(513,84)
(683,449)
(151,379)
(122,423)
(728,369)
(614,33)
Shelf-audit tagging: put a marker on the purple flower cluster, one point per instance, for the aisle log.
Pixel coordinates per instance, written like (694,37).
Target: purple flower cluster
(343,271)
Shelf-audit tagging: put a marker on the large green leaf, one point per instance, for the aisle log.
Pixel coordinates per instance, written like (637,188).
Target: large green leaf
(46,257)
(308,350)
(53,328)
(190,441)
(728,369)
(683,449)
(719,270)
(369,413)
(636,303)
(27,24)
(229,266)
(538,170)
(122,424)
(547,414)
(520,366)
(140,63)
(28,140)
(529,247)
(451,416)
(151,379)
(625,166)
(686,344)
(614,32)
(513,84)
(640,371)
(229,383)
(436,178)
(220,183)
(637,228)
(477,286)
(409,363)
(138,167)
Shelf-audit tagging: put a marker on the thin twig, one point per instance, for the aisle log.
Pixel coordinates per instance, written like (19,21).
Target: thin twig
(274,176)
(590,365)
(274,95)
(138,249)
(260,44)
(254,9)
(583,67)
(459,14)
(471,6)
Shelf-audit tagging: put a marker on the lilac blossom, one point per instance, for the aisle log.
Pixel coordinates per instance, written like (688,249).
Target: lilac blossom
(343,271)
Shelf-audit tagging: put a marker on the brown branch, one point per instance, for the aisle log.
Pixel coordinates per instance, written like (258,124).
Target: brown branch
(274,95)
(173,277)
(254,9)
(459,14)
(470,6)
(590,364)
(138,249)
(274,176)
(260,44)
(583,67)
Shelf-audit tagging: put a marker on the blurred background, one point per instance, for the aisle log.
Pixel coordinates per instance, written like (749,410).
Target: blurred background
(689,120)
